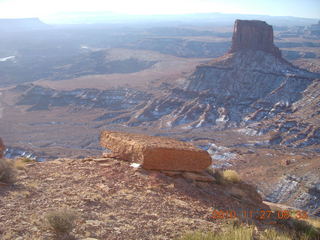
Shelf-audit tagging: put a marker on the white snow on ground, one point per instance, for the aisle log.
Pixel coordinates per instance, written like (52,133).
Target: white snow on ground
(135,165)
(249,131)
(220,156)
(7,58)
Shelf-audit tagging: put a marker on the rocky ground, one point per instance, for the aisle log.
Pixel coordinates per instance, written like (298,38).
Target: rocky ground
(115,201)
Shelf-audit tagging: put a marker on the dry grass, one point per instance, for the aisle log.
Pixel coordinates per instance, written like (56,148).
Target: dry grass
(305,229)
(231,176)
(7,171)
(239,233)
(20,163)
(244,232)
(314,222)
(274,235)
(218,175)
(226,176)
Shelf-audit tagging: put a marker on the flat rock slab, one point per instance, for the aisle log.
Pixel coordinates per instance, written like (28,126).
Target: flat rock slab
(158,153)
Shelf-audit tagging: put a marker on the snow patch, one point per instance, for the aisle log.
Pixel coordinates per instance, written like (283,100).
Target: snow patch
(135,165)
(5,59)
(249,131)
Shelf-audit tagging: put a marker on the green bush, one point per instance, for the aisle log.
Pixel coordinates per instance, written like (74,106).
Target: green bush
(7,171)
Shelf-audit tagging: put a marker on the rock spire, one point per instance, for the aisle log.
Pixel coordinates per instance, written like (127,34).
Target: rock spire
(253,35)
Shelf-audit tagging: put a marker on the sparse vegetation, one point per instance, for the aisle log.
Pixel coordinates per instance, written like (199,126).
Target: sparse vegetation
(21,162)
(304,229)
(245,232)
(239,233)
(26,159)
(218,175)
(198,236)
(61,221)
(225,176)
(231,176)
(314,222)
(7,171)
(274,235)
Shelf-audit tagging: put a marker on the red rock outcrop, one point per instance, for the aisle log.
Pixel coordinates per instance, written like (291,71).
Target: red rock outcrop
(2,148)
(254,35)
(158,153)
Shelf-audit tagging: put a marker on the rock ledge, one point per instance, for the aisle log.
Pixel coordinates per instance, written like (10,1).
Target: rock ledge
(157,153)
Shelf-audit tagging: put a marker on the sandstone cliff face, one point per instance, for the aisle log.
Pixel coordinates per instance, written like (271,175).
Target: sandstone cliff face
(158,153)
(2,148)
(255,35)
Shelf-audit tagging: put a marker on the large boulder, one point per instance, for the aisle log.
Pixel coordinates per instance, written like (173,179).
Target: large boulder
(254,35)
(2,148)
(158,153)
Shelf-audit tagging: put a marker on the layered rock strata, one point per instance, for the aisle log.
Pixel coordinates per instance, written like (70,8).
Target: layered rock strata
(158,153)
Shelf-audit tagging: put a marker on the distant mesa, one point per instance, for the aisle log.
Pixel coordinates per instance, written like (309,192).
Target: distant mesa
(156,153)
(254,35)
(21,24)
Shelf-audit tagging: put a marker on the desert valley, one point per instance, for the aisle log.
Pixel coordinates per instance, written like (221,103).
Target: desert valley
(245,94)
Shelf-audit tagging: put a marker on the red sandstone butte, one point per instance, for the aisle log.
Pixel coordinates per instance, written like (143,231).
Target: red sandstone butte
(253,35)
(2,148)
(157,153)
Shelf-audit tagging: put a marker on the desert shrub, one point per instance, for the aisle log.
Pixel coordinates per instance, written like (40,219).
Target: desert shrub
(231,176)
(21,162)
(218,175)
(7,171)
(61,221)
(225,176)
(210,170)
(26,159)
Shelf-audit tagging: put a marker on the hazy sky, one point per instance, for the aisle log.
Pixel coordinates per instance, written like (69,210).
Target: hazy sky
(42,8)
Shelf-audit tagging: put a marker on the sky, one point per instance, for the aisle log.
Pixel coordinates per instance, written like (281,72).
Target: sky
(43,8)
